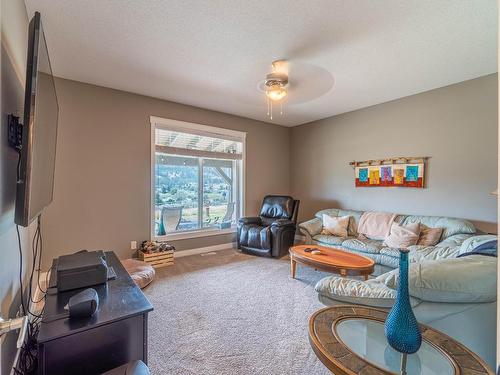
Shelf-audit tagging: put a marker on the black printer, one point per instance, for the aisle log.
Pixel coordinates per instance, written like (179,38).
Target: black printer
(80,270)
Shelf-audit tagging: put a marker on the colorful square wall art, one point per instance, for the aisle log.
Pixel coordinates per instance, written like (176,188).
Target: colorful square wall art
(386,175)
(363,174)
(403,172)
(399,176)
(374,176)
(411,173)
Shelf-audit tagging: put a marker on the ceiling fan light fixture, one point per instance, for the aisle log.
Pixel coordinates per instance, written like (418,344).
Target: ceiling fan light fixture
(276,92)
(276,86)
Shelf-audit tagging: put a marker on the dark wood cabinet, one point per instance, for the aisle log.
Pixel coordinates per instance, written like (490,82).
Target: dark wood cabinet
(115,335)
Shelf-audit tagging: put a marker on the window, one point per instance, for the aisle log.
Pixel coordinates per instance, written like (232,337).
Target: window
(197,179)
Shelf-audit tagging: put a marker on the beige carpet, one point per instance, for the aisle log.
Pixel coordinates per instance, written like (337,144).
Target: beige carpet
(232,313)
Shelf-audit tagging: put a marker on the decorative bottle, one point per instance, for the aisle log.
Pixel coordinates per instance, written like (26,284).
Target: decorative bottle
(401,326)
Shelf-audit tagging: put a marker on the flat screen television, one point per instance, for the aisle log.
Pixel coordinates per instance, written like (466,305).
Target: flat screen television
(35,183)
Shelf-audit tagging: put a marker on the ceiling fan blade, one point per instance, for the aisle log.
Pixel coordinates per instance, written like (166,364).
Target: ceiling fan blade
(308,82)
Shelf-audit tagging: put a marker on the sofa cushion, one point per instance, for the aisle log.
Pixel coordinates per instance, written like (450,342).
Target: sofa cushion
(336,226)
(455,240)
(450,225)
(369,293)
(402,236)
(390,256)
(457,280)
(352,229)
(429,236)
(390,251)
(328,239)
(363,245)
(388,260)
(423,253)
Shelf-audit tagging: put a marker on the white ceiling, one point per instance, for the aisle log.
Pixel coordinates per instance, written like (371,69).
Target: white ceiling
(212,54)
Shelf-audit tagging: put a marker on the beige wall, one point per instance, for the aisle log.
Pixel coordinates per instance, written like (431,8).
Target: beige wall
(102,192)
(456,126)
(102,182)
(14,26)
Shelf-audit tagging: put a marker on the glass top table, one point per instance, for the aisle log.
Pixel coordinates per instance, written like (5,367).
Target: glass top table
(350,340)
(366,338)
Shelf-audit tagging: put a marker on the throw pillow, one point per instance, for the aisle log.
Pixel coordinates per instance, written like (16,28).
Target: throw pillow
(402,236)
(429,236)
(336,226)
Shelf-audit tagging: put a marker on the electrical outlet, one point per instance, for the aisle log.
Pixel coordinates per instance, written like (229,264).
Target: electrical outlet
(133,245)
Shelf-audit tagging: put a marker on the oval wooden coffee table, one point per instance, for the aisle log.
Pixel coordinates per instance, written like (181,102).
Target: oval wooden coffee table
(350,340)
(331,260)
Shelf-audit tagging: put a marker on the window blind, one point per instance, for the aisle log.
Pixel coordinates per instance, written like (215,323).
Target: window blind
(200,144)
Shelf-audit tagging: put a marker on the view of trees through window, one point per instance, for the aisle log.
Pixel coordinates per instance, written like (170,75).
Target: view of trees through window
(193,193)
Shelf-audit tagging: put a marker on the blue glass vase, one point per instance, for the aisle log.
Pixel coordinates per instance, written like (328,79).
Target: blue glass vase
(401,326)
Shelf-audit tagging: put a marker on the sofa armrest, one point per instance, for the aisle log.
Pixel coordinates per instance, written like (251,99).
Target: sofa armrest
(311,228)
(372,293)
(249,220)
(469,279)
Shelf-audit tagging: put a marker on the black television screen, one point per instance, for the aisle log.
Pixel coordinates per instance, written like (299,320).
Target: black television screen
(39,136)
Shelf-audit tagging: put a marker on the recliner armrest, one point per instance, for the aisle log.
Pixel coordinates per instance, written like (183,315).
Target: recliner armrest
(249,220)
(282,223)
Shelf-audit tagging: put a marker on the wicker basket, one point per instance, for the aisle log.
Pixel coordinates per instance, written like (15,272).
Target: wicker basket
(158,260)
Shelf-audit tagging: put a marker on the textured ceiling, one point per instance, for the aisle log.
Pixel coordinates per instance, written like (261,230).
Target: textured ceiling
(344,55)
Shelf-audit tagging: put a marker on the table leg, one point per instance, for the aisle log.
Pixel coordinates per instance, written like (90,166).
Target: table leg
(293,266)
(366,277)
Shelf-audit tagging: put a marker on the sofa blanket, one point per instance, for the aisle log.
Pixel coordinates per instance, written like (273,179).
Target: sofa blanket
(376,225)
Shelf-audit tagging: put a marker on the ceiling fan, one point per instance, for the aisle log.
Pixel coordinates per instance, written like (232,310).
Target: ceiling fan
(309,82)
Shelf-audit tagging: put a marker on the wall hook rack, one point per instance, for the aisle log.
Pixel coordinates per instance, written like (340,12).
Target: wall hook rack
(395,160)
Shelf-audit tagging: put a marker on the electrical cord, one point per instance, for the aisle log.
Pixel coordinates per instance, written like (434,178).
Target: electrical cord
(28,355)
(40,257)
(23,306)
(20,270)
(37,253)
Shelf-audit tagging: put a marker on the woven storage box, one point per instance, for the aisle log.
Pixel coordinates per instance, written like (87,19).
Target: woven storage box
(157,260)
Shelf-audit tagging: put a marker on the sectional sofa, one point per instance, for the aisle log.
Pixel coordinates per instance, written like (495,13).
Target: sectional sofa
(454,294)
(455,232)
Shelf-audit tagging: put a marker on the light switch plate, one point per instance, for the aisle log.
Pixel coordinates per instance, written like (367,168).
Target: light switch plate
(133,245)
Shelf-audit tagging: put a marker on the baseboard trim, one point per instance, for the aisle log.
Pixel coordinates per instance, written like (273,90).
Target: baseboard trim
(206,249)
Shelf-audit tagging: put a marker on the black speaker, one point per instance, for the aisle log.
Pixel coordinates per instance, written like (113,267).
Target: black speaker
(83,304)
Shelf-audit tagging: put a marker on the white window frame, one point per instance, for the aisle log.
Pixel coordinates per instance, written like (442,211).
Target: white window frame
(169,124)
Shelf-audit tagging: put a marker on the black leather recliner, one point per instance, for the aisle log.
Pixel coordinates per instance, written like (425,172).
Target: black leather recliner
(273,231)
